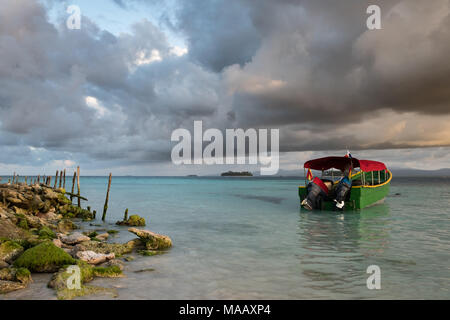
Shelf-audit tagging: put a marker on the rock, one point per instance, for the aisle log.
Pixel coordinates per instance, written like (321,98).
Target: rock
(92,257)
(133,221)
(50,194)
(59,281)
(21,275)
(153,241)
(46,233)
(102,247)
(10,286)
(74,238)
(3,264)
(9,251)
(58,243)
(114,263)
(103,236)
(8,274)
(66,225)
(136,244)
(45,257)
(9,230)
(149,253)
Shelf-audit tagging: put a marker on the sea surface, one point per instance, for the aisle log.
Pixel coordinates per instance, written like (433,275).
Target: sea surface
(247,238)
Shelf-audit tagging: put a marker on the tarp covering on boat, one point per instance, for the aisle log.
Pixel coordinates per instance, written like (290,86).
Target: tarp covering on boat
(341,162)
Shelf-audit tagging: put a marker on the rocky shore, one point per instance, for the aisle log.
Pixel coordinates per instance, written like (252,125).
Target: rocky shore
(39,234)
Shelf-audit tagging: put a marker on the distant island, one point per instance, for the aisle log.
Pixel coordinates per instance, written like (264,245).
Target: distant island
(237,174)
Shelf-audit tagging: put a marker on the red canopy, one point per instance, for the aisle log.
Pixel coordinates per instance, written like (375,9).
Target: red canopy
(341,162)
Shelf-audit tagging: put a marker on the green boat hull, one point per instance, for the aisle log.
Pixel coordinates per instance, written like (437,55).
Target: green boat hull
(360,196)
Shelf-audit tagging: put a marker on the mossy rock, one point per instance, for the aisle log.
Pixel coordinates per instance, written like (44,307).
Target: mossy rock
(107,272)
(92,234)
(133,221)
(46,233)
(105,248)
(71,211)
(21,275)
(45,257)
(60,279)
(66,225)
(22,223)
(63,199)
(10,250)
(150,253)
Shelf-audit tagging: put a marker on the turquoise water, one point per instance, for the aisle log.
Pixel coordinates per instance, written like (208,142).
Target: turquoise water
(246,238)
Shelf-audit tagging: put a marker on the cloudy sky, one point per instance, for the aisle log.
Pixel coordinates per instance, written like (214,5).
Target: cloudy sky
(108,96)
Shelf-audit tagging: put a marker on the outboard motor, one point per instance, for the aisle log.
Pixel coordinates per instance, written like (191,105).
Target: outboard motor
(342,190)
(317,191)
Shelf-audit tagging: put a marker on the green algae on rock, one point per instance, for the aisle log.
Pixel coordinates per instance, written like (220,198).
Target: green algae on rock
(65,225)
(150,253)
(105,248)
(45,257)
(10,286)
(60,281)
(153,241)
(10,250)
(46,233)
(132,221)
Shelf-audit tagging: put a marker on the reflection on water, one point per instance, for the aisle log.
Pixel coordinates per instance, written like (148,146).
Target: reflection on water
(336,246)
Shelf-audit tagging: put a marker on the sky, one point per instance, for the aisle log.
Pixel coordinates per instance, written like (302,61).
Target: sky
(108,96)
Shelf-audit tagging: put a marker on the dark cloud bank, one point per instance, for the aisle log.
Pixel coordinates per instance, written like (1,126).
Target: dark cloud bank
(310,68)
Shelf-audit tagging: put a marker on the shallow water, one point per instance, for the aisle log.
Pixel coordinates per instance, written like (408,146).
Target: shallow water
(246,238)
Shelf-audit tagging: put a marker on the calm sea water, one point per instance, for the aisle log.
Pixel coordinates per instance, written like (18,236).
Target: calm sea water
(246,238)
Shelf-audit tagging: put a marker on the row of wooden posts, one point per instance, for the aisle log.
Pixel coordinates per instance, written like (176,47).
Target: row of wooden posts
(61,175)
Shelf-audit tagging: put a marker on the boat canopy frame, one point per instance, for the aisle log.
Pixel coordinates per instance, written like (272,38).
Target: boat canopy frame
(341,163)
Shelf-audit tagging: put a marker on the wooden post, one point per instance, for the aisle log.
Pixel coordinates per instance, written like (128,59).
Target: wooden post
(39,179)
(49,181)
(56,179)
(26,179)
(125,216)
(73,185)
(105,207)
(60,180)
(64,184)
(78,186)
(94,213)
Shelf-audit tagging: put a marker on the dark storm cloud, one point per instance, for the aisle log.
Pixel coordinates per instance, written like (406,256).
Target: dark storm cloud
(219,33)
(310,68)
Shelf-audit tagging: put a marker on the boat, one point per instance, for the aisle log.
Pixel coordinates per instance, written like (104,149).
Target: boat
(367,184)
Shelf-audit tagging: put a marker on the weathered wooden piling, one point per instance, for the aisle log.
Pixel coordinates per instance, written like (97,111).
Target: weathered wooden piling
(38,179)
(73,185)
(125,216)
(56,179)
(94,213)
(105,207)
(64,183)
(78,187)
(60,179)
